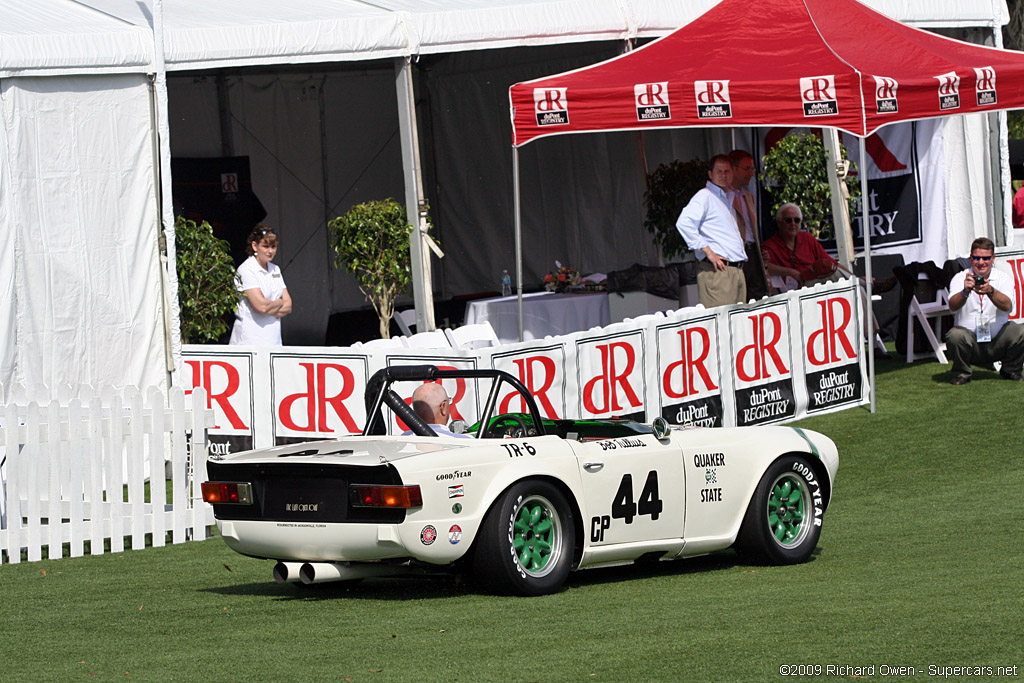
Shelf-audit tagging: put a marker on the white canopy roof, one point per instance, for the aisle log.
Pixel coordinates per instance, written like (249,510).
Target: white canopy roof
(50,37)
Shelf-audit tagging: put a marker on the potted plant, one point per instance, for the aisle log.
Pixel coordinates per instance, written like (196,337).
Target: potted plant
(206,281)
(796,170)
(670,187)
(371,241)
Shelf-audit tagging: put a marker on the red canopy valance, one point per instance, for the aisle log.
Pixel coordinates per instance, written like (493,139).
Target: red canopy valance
(820,63)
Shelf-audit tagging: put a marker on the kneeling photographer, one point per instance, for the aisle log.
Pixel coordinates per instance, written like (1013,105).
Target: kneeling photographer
(982,333)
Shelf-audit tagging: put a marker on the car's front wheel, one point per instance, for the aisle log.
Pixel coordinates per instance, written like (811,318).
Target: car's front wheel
(783,521)
(526,541)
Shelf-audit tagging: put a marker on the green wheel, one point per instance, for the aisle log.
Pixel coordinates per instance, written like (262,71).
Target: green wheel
(526,541)
(783,521)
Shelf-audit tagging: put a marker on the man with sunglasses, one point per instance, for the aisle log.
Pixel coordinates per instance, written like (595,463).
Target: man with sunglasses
(794,257)
(982,333)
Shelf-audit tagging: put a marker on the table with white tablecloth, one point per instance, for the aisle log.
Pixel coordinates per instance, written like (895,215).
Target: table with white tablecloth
(544,313)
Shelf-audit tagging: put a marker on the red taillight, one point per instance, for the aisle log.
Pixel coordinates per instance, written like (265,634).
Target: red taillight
(227,492)
(376,496)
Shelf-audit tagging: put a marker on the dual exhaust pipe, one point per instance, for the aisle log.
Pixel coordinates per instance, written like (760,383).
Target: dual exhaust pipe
(322,572)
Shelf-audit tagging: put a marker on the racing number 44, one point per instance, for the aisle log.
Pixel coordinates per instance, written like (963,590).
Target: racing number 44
(624,506)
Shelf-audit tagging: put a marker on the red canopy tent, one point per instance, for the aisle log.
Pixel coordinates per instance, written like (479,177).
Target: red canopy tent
(828,63)
(797,63)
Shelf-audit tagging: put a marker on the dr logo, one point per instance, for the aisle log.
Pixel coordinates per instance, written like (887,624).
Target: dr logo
(949,91)
(204,374)
(818,94)
(712,99)
(538,374)
(690,375)
(604,393)
(761,359)
(550,106)
(831,343)
(318,405)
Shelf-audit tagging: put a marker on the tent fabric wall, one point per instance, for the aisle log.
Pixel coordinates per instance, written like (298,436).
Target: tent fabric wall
(81,221)
(56,38)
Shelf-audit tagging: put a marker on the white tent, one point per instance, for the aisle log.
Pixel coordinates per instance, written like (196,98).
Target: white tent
(87,138)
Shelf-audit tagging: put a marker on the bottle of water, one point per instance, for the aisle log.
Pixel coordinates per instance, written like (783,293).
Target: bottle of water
(506,283)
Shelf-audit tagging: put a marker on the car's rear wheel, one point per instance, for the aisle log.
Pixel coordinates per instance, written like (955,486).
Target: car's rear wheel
(783,521)
(525,545)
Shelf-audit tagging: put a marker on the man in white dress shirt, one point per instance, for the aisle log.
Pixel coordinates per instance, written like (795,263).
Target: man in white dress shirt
(708,225)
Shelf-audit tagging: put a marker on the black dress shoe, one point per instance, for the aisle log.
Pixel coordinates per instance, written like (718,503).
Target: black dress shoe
(959,380)
(1012,376)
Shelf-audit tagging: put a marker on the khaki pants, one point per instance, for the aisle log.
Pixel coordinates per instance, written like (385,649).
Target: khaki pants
(720,288)
(964,350)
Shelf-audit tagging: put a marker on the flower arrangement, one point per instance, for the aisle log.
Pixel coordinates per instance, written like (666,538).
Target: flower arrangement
(562,279)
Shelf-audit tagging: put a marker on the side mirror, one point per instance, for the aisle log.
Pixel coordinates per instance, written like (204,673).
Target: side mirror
(661,427)
(457,427)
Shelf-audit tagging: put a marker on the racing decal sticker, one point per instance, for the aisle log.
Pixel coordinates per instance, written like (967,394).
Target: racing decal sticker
(454,534)
(428,535)
(712,99)
(949,91)
(818,94)
(651,101)
(985,85)
(456,491)
(457,508)
(454,474)
(819,503)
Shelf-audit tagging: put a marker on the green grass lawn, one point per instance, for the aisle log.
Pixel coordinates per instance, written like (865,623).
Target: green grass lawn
(920,564)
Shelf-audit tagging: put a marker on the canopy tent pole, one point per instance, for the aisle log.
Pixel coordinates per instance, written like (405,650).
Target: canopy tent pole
(519,236)
(420,243)
(865,225)
(837,171)
(165,219)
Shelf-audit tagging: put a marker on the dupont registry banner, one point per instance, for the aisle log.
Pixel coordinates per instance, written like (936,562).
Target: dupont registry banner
(785,357)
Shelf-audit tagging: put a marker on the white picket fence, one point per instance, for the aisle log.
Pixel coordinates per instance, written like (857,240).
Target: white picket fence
(76,472)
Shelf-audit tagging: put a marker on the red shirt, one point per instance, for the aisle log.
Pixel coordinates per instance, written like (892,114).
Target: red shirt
(808,250)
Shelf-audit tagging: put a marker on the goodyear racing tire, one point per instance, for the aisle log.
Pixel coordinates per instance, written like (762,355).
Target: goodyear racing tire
(783,521)
(526,540)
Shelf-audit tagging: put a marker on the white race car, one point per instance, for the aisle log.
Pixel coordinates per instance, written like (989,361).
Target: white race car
(524,502)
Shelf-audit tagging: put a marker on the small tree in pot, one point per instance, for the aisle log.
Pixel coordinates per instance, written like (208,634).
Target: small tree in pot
(670,187)
(371,241)
(206,281)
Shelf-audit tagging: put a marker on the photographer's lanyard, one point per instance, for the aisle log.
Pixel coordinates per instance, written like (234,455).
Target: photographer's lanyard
(983,333)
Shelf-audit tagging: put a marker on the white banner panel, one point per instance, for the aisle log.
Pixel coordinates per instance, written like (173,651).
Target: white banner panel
(783,358)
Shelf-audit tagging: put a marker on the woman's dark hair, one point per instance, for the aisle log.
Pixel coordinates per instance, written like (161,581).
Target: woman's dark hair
(258,234)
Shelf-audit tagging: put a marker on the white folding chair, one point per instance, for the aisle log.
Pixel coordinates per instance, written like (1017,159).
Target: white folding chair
(474,336)
(929,314)
(405,320)
(392,343)
(435,339)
